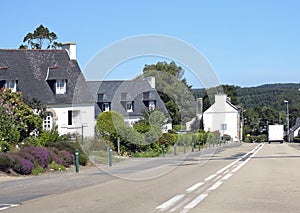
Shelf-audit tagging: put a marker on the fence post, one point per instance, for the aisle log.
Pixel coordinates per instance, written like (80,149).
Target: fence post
(175,149)
(76,161)
(110,157)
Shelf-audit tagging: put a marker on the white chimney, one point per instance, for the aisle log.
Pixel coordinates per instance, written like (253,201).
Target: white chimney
(151,81)
(71,49)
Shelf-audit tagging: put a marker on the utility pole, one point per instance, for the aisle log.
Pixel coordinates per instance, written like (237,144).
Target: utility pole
(288,121)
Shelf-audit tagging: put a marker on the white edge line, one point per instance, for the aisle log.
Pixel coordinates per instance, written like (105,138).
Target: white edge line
(170,202)
(237,160)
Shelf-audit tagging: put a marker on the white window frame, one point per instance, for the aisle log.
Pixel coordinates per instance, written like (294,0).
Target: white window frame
(106,107)
(11,85)
(48,121)
(129,107)
(151,105)
(60,86)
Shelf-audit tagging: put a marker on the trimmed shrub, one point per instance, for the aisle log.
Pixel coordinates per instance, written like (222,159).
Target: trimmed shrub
(57,167)
(6,162)
(67,158)
(54,153)
(167,139)
(71,148)
(83,159)
(40,155)
(37,170)
(21,165)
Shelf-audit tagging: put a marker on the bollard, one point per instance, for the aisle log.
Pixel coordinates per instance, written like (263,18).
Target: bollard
(163,150)
(110,157)
(193,147)
(184,150)
(199,146)
(175,149)
(76,161)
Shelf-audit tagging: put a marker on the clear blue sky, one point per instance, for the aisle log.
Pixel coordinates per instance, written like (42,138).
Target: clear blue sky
(248,42)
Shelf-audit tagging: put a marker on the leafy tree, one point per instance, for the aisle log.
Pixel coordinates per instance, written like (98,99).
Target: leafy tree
(18,120)
(39,38)
(108,124)
(173,90)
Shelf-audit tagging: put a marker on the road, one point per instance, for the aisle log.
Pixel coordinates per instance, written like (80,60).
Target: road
(238,178)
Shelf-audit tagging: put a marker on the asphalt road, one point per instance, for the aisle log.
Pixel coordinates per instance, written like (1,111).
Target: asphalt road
(238,178)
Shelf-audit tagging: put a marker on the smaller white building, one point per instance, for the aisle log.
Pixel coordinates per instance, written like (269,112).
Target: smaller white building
(224,117)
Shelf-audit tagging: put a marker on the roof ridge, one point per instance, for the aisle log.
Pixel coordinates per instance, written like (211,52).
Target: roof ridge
(11,49)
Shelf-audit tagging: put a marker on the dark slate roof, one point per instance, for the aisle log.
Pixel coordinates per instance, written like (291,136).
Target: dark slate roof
(297,125)
(34,69)
(134,90)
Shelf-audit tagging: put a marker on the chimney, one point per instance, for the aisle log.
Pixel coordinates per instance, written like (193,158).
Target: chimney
(151,81)
(220,98)
(199,106)
(71,49)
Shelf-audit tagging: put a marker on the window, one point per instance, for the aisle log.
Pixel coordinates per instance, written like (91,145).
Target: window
(151,105)
(11,85)
(70,115)
(47,122)
(73,116)
(146,95)
(105,107)
(129,107)
(60,86)
(100,97)
(123,96)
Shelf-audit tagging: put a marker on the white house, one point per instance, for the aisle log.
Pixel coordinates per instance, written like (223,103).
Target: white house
(54,78)
(295,130)
(224,117)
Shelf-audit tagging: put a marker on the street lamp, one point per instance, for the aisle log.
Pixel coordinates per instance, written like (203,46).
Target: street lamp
(287,120)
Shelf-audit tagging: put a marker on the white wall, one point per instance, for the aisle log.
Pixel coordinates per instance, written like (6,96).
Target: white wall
(296,132)
(85,116)
(222,113)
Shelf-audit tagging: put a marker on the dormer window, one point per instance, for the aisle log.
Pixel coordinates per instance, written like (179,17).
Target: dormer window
(146,95)
(101,97)
(106,107)
(129,106)
(151,105)
(11,85)
(61,87)
(123,96)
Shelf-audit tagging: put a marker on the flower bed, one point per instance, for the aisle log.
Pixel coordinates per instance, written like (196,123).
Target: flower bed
(29,158)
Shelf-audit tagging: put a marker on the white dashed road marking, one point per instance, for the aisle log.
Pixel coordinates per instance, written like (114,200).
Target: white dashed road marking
(213,181)
(195,202)
(169,203)
(194,187)
(7,206)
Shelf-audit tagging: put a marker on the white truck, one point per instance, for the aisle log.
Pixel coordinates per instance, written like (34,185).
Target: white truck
(275,133)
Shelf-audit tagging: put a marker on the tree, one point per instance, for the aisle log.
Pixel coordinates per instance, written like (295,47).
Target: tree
(109,125)
(36,40)
(173,90)
(18,120)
